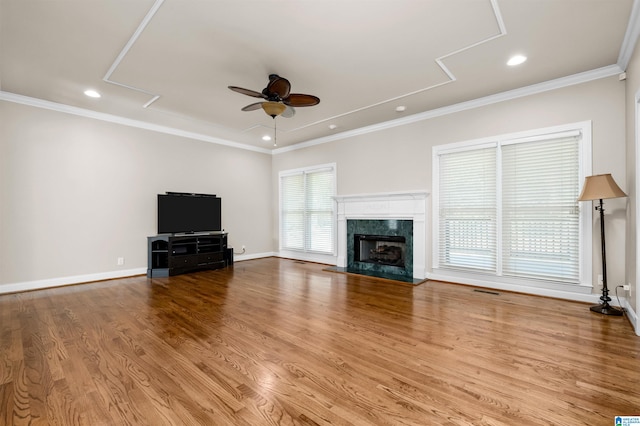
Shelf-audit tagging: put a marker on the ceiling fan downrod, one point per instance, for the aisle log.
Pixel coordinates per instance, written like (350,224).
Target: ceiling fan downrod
(275,133)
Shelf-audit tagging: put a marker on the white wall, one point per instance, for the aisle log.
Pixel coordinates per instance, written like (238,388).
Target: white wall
(77,193)
(399,158)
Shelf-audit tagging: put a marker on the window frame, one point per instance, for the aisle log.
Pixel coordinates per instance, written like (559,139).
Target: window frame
(498,279)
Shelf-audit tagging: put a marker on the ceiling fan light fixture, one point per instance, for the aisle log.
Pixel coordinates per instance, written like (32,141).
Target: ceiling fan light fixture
(273,108)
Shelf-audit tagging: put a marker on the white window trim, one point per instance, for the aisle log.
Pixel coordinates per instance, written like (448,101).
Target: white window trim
(536,286)
(308,255)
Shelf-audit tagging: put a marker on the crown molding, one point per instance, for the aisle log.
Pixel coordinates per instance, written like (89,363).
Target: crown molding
(631,36)
(584,77)
(67,109)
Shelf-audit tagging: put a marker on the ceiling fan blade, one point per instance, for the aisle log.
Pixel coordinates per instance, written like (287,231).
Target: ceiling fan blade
(252,107)
(279,86)
(301,100)
(246,92)
(289,112)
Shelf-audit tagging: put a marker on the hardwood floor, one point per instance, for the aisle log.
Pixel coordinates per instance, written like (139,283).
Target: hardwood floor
(279,342)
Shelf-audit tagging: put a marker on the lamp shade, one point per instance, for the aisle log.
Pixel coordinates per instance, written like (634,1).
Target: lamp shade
(600,187)
(273,108)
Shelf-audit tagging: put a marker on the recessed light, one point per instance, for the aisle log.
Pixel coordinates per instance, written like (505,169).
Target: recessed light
(266,138)
(401,108)
(92,93)
(516,60)
(333,126)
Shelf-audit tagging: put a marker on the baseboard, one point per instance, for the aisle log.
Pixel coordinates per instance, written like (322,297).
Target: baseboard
(308,257)
(579,295)
(100,276)
(631,315)
(62,281)
(241,257)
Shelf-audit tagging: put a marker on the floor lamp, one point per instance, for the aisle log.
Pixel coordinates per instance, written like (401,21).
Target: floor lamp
(599,187)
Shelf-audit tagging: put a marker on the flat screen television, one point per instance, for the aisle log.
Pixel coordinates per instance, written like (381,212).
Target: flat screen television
(188,213)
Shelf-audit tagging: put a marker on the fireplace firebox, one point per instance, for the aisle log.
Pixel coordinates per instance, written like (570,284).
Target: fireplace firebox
(380,249)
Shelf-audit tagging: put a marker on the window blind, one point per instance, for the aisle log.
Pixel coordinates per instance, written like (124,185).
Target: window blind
(540,215)
(292,211)
(307,216)
(467,209)
(319,225)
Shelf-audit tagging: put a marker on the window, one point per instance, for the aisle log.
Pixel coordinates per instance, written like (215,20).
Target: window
(307,214)
(508,206)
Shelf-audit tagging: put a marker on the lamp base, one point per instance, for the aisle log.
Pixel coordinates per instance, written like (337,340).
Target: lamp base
(606,309)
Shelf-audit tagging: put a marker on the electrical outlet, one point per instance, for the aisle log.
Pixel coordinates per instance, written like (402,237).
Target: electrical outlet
(243,248)
(600,279)
(626,287)
(120,261)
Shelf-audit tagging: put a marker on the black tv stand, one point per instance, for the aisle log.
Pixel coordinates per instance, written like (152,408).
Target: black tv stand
(170,254)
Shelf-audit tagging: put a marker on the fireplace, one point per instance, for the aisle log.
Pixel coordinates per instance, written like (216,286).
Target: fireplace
(379,249)
(392,220)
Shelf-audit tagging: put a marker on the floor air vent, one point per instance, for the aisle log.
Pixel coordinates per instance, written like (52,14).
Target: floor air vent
(488,292)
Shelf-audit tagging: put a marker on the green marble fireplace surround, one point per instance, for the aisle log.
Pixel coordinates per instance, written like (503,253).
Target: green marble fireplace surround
(386,227)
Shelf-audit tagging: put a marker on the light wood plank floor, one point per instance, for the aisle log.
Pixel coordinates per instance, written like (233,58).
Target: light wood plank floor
(280,342)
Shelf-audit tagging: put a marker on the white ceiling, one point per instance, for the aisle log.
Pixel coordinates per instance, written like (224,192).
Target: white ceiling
(362,58)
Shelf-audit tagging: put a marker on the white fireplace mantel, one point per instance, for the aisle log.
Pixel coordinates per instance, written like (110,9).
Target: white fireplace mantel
(411,205)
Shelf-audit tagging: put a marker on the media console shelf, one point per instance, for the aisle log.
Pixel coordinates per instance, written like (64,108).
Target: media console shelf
(178,254)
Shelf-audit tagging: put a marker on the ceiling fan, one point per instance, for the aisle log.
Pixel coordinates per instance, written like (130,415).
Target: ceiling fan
(278,99)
